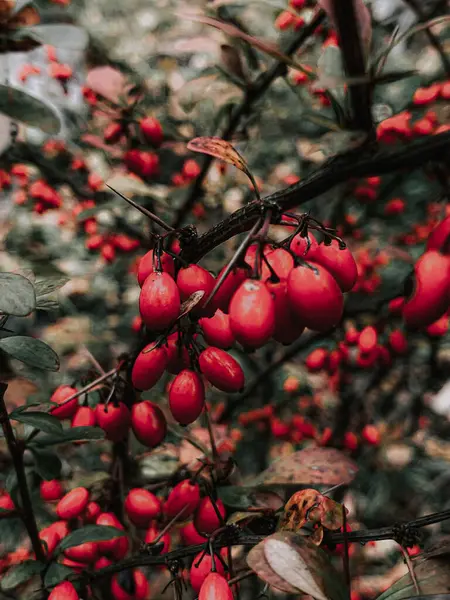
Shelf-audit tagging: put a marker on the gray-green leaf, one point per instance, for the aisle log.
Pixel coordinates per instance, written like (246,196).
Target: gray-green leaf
(23,572)
(68,37)
(31,351)
(17,296)
(23,107)
(74,434)
(47,286)
(90,533)
(40,420)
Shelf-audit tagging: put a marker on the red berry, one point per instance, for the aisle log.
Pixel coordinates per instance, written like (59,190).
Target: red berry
(193,279)
(395,206)
(149,366)
(91,513)
(190,169)
(299,246)
(142,506)
(199,572)
(114,420)
(51,539)
(84,417)
(110,547)
(159,301)
(281,262)
(144,164)
(148,423)
(151,535)
(371,435)
(113,132)
(231,283)
(215,587)
(288,327)
(177,354)
(316,360)
(146,266)
(340,263)
(398,342)
(59,396)
(190,536)
(73,503)
(63,591)
(252,314)
(429,300)
(315,296)
(186,397)
(130,585)
(284,20)
(206,519)
(439,238)
(185,495)
(152,130)
(350,441)
(51,490)
(425,95)
(368,339)
(221,370)
(217,330)
(83,553)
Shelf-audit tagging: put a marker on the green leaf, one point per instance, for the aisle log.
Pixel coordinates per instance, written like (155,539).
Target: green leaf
(19,5)
(17,296)
(31,351)
(20,106)
(23,572)
(47,464)
(47,286)
(55,574)
(47,304)
(74,434)
(235,496)
(68,37)
(40,420)
(90,533)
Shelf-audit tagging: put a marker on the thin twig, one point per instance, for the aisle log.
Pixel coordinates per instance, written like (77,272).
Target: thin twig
(253,93)
(16,451)
(410,566)
(351,45)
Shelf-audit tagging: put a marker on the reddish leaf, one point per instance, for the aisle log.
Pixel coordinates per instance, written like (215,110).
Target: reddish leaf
(310,466)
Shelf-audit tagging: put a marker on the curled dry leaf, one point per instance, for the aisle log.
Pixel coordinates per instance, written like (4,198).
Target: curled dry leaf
(313,465)
(304,566)
(310,506)
(191,303)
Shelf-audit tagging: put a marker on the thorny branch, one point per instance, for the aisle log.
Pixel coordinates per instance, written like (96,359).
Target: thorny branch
(338,170)
(244,539)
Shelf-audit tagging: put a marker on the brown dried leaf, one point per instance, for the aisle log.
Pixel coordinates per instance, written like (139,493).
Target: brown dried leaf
(231,60)
(191,303)
(266,499)
(256,560)
(303,565)
(219,148)
(233,31)
(312,465)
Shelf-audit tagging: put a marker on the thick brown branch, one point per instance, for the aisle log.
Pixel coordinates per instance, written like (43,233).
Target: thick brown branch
(338,170)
